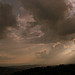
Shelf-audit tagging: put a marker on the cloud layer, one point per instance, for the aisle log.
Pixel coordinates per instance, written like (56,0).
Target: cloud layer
(44,34)
(53,17)
(7,18)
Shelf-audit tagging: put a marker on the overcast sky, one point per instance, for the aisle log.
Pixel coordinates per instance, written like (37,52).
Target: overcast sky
(37,32)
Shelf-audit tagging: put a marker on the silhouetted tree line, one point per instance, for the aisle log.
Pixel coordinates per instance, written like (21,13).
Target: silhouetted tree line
(49,70)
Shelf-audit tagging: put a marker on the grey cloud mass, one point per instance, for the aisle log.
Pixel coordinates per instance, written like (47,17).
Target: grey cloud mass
(52,15)
(40,30)
(7,18)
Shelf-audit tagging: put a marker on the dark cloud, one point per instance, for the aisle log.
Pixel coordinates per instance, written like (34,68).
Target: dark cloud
(50,10)
(52,16)
(7,18)
(67,27)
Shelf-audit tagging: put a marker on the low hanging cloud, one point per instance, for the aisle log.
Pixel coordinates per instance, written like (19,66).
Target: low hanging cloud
(53,18)
(7,19)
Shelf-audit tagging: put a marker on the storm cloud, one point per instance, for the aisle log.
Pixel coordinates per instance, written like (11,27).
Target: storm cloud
(7,19)
(45,33)
(52,16)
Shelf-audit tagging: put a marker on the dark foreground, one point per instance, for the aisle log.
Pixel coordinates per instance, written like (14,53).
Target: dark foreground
(49,70)
(56,70)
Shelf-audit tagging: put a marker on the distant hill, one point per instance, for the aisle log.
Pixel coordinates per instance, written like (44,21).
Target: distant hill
(49,70)
(38,70)
(11,69)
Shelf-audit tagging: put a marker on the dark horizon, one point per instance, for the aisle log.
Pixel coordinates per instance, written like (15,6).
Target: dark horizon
(38,70)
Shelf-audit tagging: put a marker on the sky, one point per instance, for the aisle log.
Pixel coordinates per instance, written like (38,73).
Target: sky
(37,32)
